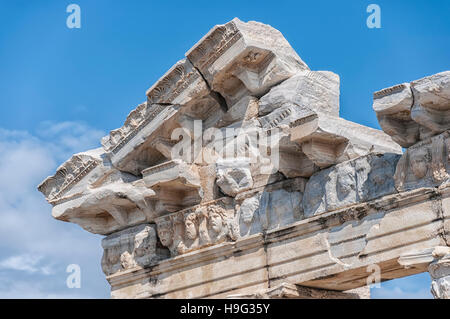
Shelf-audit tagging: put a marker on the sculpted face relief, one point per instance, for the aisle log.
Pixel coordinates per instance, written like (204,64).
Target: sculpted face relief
(190,226)
(165,233)
(216,221)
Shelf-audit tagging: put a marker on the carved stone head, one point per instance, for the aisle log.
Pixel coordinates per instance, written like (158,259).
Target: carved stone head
(248,209)
(165,232)
(191,225)
(216,215)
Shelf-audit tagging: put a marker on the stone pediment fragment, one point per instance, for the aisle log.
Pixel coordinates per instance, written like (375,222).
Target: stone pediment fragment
(328,140)
(237,177)
(393,109)
(108,208)
(129,147)
(181,85)
(316,90)
(415,111)
(240,58)
(72,176)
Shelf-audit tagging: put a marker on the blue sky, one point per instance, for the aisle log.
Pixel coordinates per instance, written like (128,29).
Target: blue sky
(63,89)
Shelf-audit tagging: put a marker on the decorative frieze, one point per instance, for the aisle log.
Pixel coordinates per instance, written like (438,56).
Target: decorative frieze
(135,247)
(198,227)
(180,85)
(68,175)
(425,164)
(136,121)
(359,180)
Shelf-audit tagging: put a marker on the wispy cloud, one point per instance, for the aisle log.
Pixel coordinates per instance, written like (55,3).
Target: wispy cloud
(27,263)
(400,293)
(35,249)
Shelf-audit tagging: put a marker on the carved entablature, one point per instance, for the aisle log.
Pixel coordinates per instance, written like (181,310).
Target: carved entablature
(411,112)
(58,187)
(177,185)
(240,58)
(425,164)
(136,121)
(270,207)
(328,140)
(184,85)
(135,247)
(179,85)
(198,227)
(110,207)
(359,180)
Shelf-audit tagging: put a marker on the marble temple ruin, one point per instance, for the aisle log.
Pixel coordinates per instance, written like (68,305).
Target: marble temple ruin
(236,178)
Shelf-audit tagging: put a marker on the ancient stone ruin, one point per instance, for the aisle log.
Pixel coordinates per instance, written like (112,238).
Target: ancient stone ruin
(237,178)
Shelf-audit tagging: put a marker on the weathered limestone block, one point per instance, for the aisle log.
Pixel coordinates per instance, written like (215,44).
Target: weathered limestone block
(431,107)
(415,111)
(108,208)
(240,59)
(176,184)
(234,176)
(135,247)
(425,164)
(295,164)
(285,115)
(88,191)
(130,147)
(181,85)
(248,144)
(184,85)
(270,207)
(73,176)
(243,110)
(316,90)
(393,107)
(351,182)
(328,140)
(198,227)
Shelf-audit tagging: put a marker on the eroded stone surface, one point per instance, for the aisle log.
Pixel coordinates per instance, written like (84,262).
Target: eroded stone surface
(238,177)
(131,248)
(240,58)
(415,111)
(358,180)
(270,207)
(425,164)
(317,90)
(198,227)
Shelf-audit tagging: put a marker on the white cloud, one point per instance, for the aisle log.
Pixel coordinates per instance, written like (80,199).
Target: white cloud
(400,293)
(27,263)
(35,249)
